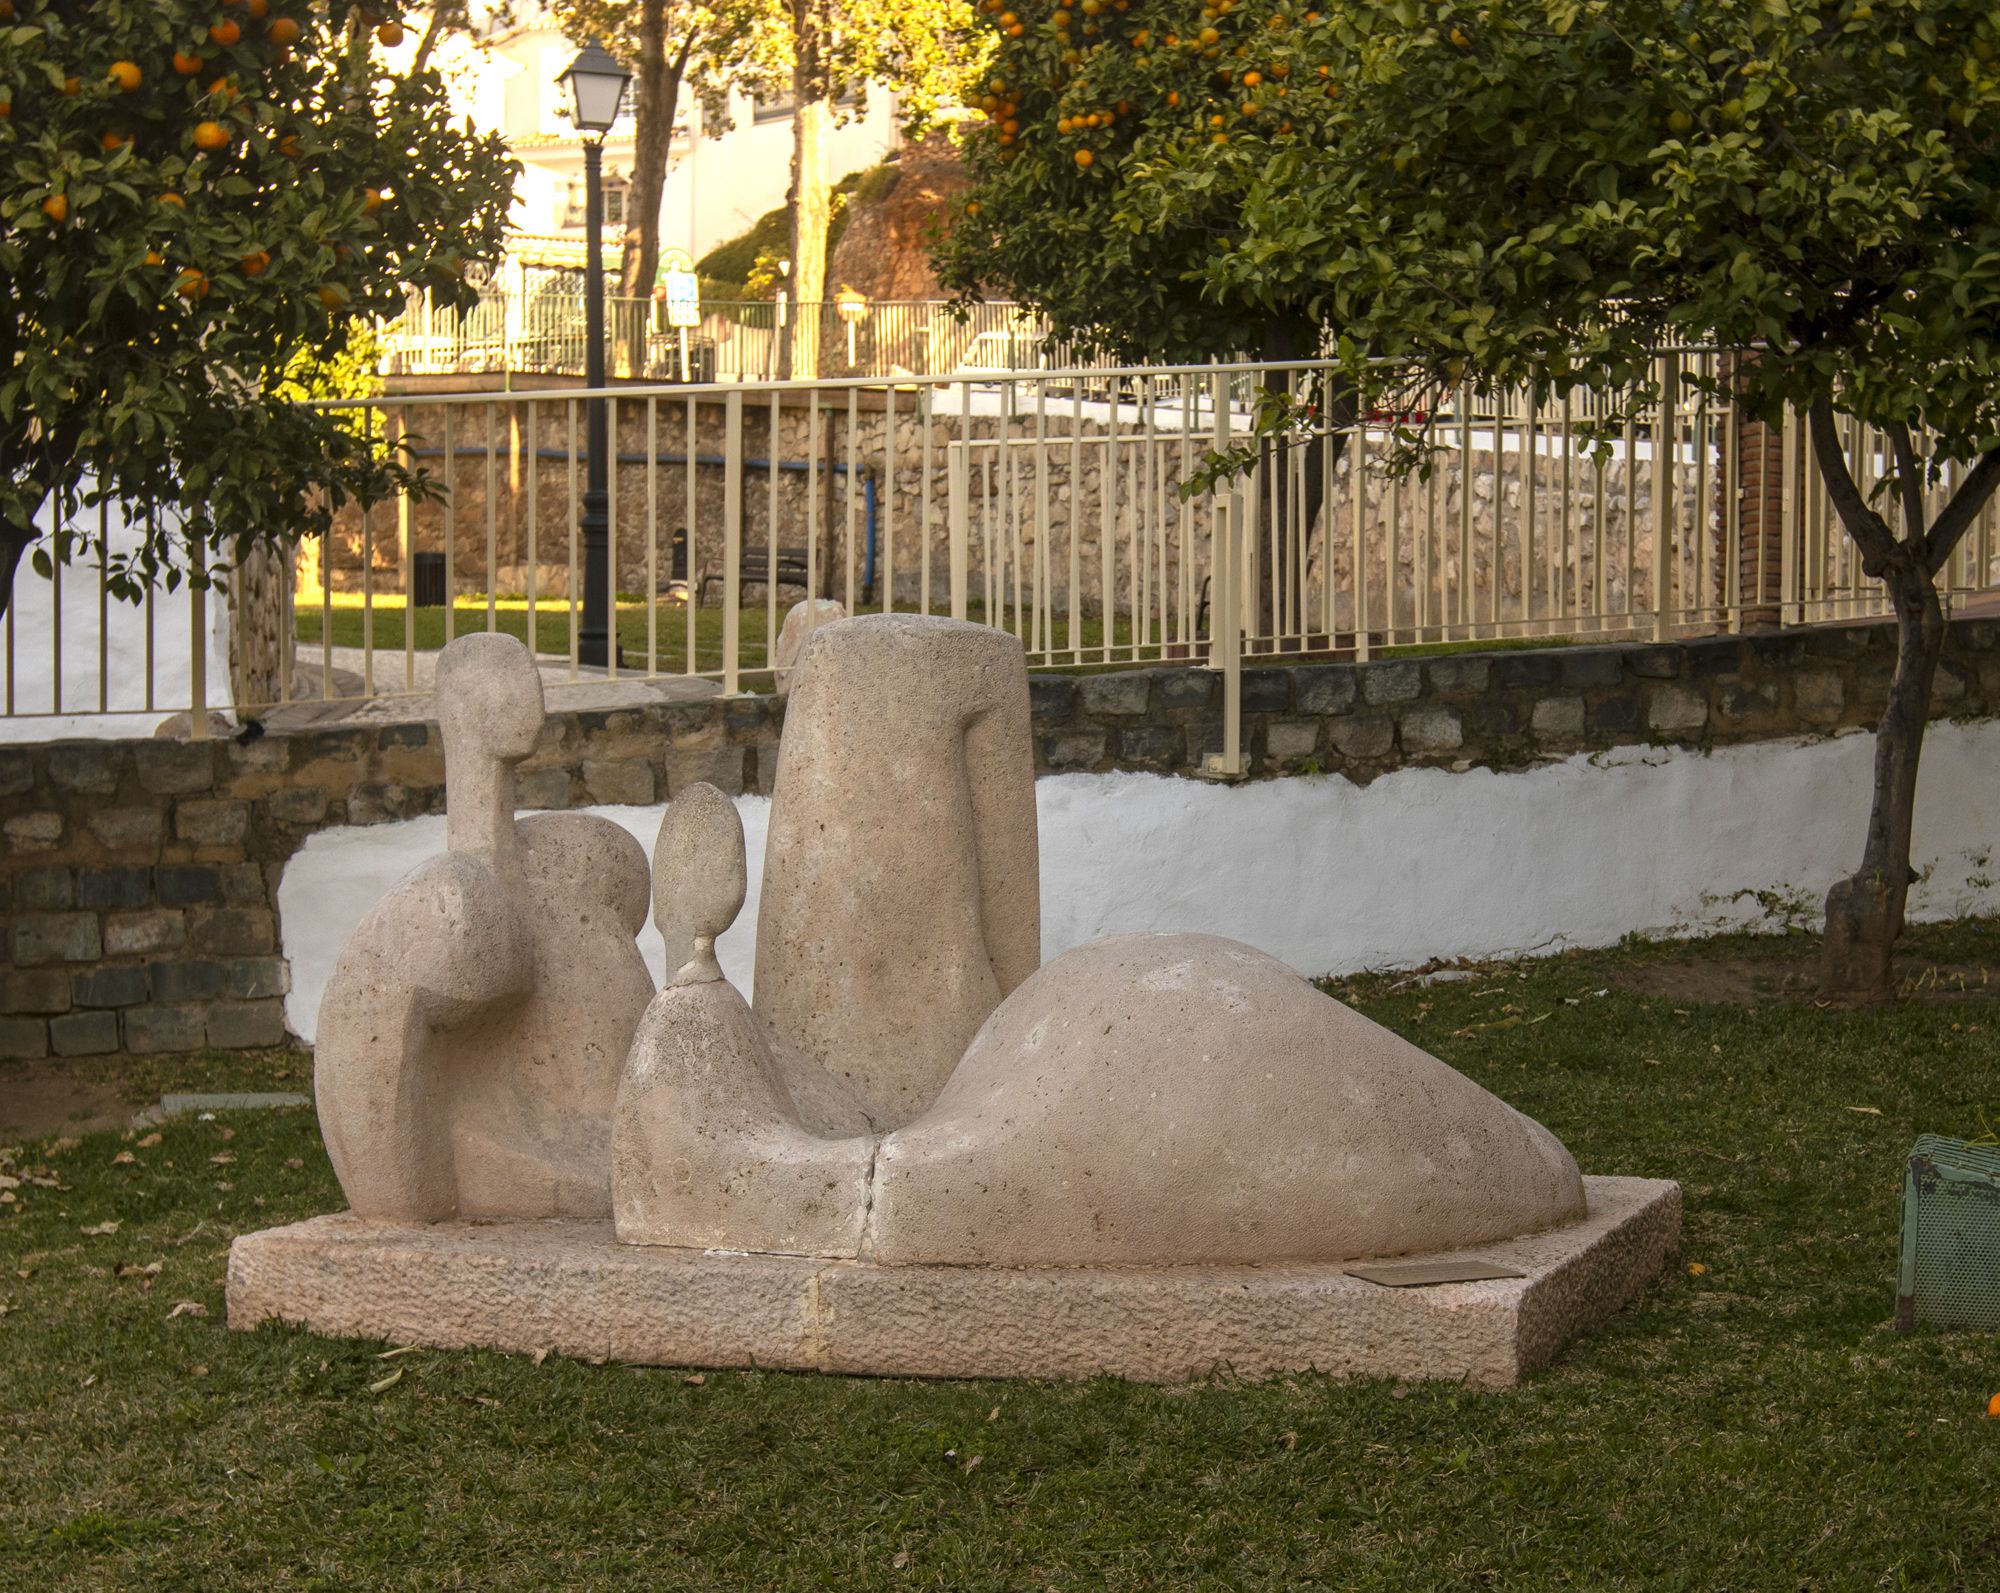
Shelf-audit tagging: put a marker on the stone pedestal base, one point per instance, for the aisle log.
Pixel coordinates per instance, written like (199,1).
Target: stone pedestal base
(573,1289)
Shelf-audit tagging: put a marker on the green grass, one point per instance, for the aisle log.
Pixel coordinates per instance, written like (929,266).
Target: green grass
(552,630)
(1756,1427)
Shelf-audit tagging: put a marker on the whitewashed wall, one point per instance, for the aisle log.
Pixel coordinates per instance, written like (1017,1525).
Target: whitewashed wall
(28,667)
(1421,864)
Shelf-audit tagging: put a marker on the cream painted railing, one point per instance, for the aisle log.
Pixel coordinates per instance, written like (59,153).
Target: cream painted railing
(1053,504)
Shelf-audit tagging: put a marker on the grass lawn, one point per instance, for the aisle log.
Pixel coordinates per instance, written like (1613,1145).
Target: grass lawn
(670,644)
(1754,1426)
(552,629)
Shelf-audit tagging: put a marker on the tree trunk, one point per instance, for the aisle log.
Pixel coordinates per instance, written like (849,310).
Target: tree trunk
(810,200)
(14,541)
(812,214)
(659,92)
(1864,912)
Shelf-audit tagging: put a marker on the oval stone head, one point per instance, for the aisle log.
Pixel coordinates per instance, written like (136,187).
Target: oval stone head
(699,877)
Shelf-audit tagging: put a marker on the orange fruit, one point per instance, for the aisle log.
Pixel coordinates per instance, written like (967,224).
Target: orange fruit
(210,136)
(390,33)
(289,145)
(154,257)
(226,32)
(114,141)
(332,296)
(223,87)
(6,10)
(56,208)
(175,200)
(285,32)
(72,85)
(191,284)
(1084,157)
(371,200)
(187,65)
(260,9)
(126,75)
(254,265)
(6,109)
(1993,1406)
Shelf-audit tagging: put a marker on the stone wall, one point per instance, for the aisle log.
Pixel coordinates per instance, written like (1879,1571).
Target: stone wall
(138,880)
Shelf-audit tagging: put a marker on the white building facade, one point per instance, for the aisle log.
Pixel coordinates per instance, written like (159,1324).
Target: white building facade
(719,182)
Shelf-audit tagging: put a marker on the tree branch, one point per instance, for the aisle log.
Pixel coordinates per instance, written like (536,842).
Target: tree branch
(1908,486)
(1870,532)
(1956,518)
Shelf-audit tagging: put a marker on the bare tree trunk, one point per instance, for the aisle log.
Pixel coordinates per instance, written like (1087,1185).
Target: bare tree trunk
(810,200)
(14,541)
(1864,912)
(445,16)
(812,214)
(659,92)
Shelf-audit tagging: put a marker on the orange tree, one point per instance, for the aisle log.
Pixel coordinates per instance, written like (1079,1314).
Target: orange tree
(1098,112)
(199,202)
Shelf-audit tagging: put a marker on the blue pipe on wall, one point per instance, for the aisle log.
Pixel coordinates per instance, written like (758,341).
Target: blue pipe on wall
(797,466)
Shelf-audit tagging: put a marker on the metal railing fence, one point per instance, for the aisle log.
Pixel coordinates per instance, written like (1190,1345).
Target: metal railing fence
(1049,503)
(541,332)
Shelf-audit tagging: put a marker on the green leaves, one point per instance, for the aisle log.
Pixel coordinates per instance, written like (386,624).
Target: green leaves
(201,217)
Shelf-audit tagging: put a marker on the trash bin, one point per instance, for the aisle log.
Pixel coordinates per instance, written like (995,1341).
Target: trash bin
(427,581)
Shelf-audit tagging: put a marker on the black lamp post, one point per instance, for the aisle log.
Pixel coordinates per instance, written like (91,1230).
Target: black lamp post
(596,85)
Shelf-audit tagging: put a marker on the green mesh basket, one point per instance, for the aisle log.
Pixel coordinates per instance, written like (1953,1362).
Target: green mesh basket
(1950,1272)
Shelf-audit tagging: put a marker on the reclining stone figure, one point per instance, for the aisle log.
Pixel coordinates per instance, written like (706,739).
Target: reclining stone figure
(909,1088)
(473,1033)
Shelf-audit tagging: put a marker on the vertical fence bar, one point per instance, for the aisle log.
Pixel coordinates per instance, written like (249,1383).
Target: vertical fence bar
(854,488)
(492,522)
(575,588)
(611,449)
(926,418)
(885,568)
(652,537)
(732,540)
(450,555)
(534,471)
(197,640)
(1226,623)
(958,462)
(104,608)
(774,427)
(690,567)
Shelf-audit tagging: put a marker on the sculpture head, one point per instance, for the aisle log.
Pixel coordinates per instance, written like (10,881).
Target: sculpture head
(699,879)
(489,699)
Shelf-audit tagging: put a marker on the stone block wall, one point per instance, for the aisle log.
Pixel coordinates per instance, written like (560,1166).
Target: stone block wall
(138,879)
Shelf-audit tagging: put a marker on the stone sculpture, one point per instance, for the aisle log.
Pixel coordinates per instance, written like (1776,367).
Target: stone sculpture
(474,1030)
(1151,1099)
(918,1152)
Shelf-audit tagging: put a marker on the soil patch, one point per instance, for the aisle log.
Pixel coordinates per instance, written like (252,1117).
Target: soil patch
(1792,974)
(61,1097)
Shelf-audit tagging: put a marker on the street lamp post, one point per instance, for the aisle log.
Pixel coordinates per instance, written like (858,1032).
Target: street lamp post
(596,85)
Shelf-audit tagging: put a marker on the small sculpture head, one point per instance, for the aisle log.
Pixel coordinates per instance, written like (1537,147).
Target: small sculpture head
(489,698)
(699,879)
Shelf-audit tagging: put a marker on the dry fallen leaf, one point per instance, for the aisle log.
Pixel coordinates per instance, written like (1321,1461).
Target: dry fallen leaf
(98,1230)
(227,1132)
(540,1355)
(973,1464)
(132,1269)
(293,1163)
(150,1140)
(123,1159)
(7,1182)
(383,1385)
(400,1349)
(695,1378)
(902,1559)
(1871,1111)
(994,1414)
(66,1143)
(188,1308)
(223,1158)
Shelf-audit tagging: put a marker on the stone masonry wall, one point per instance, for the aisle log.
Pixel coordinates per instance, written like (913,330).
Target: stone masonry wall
(138,879)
